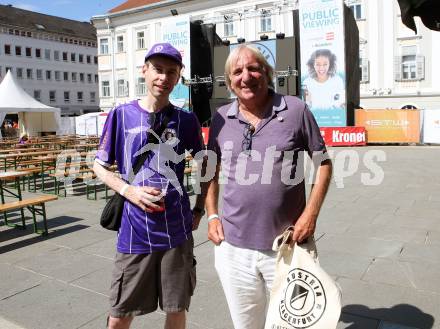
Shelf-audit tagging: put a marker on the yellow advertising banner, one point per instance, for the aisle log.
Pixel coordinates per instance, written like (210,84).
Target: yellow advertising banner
(390,126)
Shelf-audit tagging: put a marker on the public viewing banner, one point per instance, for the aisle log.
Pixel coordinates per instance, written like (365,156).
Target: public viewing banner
(390,126)
(176,31)
(431,126)
(343,136)
(323,60)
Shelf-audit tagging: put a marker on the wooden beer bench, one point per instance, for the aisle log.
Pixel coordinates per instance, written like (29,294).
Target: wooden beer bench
(36,206)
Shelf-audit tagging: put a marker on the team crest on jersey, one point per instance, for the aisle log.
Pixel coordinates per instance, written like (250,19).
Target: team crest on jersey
(168,134)
(304,299)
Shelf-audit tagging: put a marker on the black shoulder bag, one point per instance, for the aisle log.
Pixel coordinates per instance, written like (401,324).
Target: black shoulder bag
(112,213)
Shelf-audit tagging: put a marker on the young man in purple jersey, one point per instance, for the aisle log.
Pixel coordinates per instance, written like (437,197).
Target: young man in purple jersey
(154,260)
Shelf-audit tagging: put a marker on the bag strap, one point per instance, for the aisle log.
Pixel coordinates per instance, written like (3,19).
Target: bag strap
(152,138)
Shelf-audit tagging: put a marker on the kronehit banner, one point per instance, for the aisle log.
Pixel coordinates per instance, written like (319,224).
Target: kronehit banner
(390,126)
(343,136)
(176,31)
(323,61)
(431,126)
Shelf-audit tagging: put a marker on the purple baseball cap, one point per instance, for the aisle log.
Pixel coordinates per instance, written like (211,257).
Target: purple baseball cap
(165,50)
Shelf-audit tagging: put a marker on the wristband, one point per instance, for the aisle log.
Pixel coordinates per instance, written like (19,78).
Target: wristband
(212,217)
(124,189)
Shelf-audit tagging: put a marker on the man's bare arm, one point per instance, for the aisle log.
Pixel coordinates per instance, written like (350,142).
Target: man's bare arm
(142,196)
(306,223)
(215,228)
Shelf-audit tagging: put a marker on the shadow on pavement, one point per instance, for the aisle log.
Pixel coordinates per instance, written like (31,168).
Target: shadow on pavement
(404,314)
(13,218)
(34,238)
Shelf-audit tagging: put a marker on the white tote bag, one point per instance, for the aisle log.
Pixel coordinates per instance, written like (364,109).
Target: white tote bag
(302,295)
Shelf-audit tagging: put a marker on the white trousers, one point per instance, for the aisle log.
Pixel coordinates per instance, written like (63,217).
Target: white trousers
(246,276)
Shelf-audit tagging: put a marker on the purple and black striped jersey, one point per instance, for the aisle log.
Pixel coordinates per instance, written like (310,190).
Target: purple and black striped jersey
(125,136)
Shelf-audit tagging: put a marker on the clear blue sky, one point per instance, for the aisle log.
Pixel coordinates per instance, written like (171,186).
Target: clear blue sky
(81,10)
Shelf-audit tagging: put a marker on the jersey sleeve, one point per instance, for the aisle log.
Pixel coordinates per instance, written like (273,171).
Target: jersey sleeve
(106,152)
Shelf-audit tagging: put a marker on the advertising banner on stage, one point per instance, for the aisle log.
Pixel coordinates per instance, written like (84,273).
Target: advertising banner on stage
(176,31)
(323,60)
(343,136)
(390,126)
(431,126)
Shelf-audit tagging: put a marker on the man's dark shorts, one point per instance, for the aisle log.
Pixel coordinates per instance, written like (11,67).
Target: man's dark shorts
(140,281)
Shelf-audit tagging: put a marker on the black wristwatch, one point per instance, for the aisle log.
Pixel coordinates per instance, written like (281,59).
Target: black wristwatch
(198,210)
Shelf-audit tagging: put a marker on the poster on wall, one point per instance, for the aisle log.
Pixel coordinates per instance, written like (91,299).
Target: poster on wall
(323,77)
(431,126)
(176,31)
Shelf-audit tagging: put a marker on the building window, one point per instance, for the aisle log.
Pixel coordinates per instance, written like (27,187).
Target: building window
(37,95)
(95,59)
(28,52)
(8,68)
(66,76)
(39,74)
(81,58)
(56,55)
(47,54)
(103,46)
(73,76)
(96,78)
(67,96)
(88,59)
(266,21)
(79,96)
(122,88)
(92,97)
(140,86)
(105,85)
(19,73)
(52,96)
(64,56)
(141,40)
(37,52)
(89,78)
(81,77)
(73,57)
(7,49)
(120,43)
(228,26)
(48,75)
(409,66)
(17,50)
(57,75)
(357,10)
(29,74)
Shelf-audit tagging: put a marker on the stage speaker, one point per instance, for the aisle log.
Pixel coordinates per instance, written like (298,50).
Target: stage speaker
(203,38)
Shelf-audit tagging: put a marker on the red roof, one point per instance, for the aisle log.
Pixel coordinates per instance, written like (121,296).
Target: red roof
(130,4)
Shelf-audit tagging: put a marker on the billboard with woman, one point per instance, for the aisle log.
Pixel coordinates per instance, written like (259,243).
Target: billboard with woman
(323,60)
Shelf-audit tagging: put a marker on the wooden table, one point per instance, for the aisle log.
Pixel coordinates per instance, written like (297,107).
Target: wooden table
(12,175)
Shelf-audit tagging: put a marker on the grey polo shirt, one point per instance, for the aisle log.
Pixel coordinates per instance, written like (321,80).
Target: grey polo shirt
(264,188)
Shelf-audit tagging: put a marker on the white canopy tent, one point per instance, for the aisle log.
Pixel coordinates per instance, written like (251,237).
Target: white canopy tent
(34,117)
